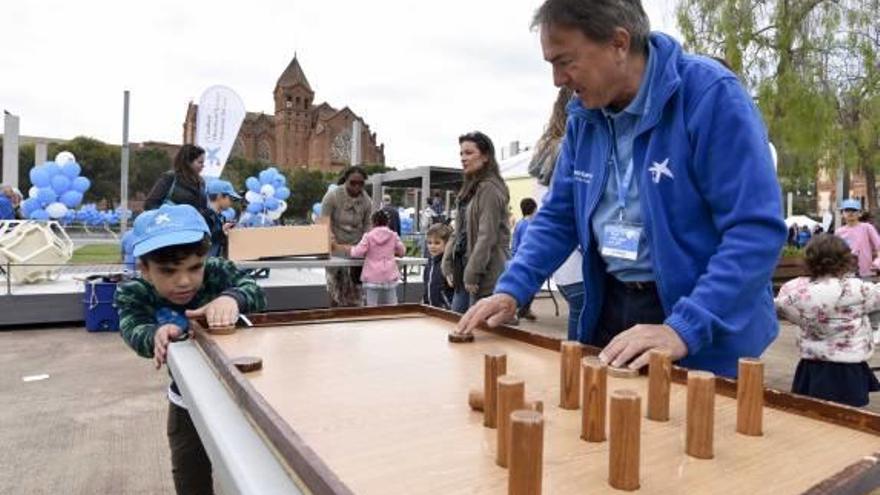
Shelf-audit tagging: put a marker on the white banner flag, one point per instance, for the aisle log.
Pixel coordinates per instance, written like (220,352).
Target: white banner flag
(221,113)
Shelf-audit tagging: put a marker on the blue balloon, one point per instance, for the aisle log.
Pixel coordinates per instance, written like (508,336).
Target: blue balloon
(52,169)
(228,214)
(271,204)
(39,215)
(71,170)
(28,206)
(46,195)
(282,193)
(316,209)
(39,177)
(60,184)
(279,181)
(71,199)
(255,207)
(81,184)
(252,184)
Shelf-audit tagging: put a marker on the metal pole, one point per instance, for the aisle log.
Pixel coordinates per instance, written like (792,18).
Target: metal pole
(123,202)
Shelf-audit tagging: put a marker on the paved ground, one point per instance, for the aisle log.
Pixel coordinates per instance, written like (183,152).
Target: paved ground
(97,423)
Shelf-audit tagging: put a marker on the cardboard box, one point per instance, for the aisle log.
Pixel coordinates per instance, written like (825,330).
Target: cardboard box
(275,242)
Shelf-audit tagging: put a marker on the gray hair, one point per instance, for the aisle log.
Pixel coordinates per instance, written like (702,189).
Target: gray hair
(597,19)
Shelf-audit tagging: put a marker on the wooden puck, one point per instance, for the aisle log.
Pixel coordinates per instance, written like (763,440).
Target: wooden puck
(221,330)
(460,338)
(622,372)
(246,364)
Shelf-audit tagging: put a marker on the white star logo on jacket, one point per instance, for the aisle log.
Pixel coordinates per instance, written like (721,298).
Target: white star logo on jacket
(658,170)
(162,218)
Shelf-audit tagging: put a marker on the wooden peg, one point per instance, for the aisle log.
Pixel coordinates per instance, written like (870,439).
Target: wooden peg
(569,384)
(526,453)
(594,392)
(475,399)
(622,372)
(700,414)
(511,397)
(624,440)
(750,397)
(495,365)
(659,379)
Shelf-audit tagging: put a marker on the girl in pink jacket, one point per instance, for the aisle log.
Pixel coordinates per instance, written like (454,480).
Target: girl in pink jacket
(378,247)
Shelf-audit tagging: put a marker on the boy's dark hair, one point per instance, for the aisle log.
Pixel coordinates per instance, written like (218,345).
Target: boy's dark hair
(440,231)
(177,253)
(827,254)
(528,206)
(379,218)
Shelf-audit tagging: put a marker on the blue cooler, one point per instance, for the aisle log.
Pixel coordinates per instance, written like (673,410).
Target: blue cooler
(98,303)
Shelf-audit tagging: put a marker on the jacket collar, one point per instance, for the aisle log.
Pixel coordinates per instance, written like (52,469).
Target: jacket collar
(664,81)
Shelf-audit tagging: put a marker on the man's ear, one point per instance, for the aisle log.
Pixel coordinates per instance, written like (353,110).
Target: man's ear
(621,41)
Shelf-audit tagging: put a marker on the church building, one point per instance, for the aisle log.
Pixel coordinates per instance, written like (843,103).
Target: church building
(300,133)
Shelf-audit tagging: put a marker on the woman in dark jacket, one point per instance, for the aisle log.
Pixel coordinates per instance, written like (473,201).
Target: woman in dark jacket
(184,185)
(479,249)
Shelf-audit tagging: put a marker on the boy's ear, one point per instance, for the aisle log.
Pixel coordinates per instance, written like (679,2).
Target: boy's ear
(143,267)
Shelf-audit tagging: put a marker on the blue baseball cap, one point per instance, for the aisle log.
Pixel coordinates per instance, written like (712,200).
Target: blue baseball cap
(170,225)
(851,204)
(222,187)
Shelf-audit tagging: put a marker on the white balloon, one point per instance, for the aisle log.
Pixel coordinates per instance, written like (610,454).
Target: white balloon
(275,214)
(33,191)
(64,157)
(282,205)
(56,210)
(253,197)
(267,190)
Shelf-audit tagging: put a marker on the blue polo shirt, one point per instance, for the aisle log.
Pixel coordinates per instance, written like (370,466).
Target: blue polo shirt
(623,126)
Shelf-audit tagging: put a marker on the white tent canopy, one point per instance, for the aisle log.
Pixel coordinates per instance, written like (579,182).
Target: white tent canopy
(516,166)
(801,221)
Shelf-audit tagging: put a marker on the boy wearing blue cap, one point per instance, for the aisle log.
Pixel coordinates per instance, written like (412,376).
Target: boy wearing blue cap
(178,281)
(221,195)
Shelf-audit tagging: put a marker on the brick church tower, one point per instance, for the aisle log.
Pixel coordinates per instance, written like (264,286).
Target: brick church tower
(300,133)
(293,102)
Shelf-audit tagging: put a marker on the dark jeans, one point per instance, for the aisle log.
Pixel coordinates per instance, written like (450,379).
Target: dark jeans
(624,307)
(462,301)
(190,465)
(574,296)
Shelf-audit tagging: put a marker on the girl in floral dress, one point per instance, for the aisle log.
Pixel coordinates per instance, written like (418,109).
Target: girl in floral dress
(831,308)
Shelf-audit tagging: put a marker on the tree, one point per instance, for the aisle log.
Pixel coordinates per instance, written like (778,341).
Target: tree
(238,169)
(146,166)
(791,54)
(307,187)
(100,163)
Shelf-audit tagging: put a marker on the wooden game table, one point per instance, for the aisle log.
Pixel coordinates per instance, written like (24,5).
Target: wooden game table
(375,401)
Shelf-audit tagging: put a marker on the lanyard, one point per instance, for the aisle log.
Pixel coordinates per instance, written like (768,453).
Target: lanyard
(622,183)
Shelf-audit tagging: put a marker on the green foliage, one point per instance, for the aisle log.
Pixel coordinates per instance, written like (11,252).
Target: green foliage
(307,187)
(145,167)
(238,169)
(812,64)
(100,162)
(792,251)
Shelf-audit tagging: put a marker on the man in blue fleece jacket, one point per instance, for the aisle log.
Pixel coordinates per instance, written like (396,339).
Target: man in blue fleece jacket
(665,180)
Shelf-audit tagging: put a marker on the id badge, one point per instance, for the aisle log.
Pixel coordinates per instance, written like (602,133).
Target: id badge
(621,240)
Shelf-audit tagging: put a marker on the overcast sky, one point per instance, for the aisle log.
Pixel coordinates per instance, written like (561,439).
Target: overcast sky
(420,73)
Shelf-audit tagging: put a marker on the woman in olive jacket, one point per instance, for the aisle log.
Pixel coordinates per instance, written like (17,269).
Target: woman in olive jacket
(476,254)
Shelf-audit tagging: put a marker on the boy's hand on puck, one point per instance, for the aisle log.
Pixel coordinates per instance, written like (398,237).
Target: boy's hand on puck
(219,313)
